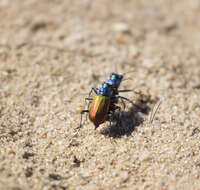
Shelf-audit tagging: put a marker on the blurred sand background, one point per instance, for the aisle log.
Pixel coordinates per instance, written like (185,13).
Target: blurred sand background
(42,91)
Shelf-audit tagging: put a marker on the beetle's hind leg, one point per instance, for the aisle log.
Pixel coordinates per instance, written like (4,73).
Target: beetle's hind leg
(90,100)
(114,100)
(119,113)
(85,111)
(124,105)
(113,108)
(82,112)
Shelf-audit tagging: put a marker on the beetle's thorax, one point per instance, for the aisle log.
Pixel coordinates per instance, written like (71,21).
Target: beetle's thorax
(106,89)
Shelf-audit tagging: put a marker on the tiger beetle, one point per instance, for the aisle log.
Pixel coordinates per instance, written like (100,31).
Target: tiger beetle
(103,105)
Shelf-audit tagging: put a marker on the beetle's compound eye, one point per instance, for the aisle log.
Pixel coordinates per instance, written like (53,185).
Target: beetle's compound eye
(113,76)
(105,85)
(120,77)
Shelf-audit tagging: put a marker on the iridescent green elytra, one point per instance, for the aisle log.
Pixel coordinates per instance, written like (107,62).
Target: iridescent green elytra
(98,110)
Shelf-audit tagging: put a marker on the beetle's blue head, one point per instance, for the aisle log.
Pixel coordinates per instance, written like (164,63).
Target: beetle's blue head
(115,80)
(106,89)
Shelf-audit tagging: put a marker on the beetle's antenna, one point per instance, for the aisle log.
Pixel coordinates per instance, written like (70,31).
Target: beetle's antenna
(116,70)
(127,79)
(129,72)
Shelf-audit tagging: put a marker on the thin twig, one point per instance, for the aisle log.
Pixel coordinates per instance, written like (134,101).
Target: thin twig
(153,113)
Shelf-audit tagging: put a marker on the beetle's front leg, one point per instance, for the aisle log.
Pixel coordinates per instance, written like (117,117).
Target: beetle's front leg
(95,90)
(125,90)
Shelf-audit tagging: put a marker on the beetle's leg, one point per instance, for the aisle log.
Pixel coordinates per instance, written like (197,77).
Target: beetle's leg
(123,98)
(113,108)
(124,105)
(117,107)
(110,117)
(113,100)
(82,112)
(128,90)
(86,116)
(94,90)
(119,114)
(88,99)
(125,90)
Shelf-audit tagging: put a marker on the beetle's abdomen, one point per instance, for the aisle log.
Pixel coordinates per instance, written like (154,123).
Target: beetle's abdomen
(98,110)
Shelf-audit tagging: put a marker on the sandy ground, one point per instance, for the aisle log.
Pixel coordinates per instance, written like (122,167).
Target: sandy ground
(53,52)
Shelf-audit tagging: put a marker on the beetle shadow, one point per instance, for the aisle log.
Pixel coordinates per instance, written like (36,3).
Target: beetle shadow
(125,122)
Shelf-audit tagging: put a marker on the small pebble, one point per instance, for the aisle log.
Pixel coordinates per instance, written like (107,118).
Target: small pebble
(121,27)
(147,63)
